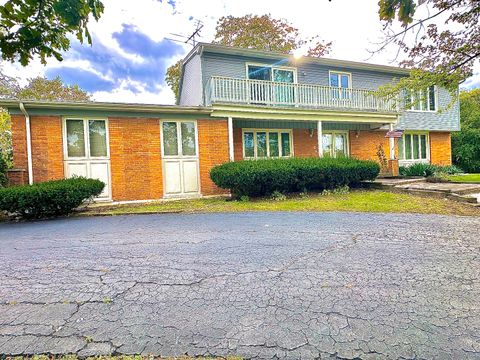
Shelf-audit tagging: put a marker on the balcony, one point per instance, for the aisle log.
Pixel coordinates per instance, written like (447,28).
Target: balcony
(227,90)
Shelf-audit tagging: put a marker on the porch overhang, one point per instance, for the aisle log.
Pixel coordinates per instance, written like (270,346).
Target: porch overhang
(276,113)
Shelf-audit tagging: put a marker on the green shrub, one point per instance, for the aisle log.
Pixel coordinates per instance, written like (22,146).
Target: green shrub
(48,199)
(466,150)
(263,177)
(428,170)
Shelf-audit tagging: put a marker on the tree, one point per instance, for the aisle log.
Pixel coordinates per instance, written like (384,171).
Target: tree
(172,78)
(29,28)
(38,88)
(265,33)
(442,54)
(259,33)
(466,143)
(470,109)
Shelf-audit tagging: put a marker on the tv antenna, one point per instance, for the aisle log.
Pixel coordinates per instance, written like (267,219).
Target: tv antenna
(193,37)
(188,39)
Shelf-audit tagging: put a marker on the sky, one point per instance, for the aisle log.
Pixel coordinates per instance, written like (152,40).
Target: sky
(131,48)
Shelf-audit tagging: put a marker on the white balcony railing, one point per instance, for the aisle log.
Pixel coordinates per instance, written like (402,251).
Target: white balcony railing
(269,93)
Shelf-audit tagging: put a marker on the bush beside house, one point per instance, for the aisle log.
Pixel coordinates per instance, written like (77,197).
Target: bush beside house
(263,177)
(3,171)
(428,170)
(48,199)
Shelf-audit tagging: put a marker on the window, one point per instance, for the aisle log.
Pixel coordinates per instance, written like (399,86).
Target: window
(179,138)
(86,138)
(266,143)
(413,146)
(280,93)
(341,82)
(335,144)
(423,100)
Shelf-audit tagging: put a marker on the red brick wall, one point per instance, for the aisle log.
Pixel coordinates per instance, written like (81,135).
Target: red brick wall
(47,146)
(135,159)
(304,144)
(213,150)
(237,144)
(19,142)
(365,145)
(440,148)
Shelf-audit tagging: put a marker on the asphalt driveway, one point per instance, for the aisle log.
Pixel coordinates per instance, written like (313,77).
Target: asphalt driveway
(258,285)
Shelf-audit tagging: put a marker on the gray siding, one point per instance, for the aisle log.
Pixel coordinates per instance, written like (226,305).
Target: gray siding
(446,119)
(191,93)
(235,66)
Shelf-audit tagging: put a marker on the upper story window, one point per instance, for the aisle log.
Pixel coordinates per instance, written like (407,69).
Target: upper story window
(342,81)
(280,93)
(422,100)
(271,73)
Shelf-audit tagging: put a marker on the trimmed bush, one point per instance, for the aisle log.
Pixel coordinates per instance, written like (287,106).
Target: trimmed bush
(428,170)
(48,199)
(263,177)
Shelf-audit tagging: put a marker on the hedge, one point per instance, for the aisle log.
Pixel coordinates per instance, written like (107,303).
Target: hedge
(48,199)
(263,177)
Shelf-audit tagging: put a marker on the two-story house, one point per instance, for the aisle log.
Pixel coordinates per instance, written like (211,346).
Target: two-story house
(234,104)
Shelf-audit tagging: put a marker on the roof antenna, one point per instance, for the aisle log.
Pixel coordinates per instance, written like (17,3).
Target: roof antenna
(192,38)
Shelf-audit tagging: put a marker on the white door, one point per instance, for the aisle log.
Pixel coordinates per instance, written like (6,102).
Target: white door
(180,158)
(86,151)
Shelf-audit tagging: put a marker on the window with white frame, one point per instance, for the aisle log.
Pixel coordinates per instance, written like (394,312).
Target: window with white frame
(86,138)
(341,82)
(335,143)
(413,146)
(267,143)
(422,100)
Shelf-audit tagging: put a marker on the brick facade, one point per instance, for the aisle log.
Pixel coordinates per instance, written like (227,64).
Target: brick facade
(47,146)
(213,150)
(440,148)
(135,160)
(305,143)
(364,144)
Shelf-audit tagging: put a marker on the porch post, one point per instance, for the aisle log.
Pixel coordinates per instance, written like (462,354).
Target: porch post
(230,139)
(319,138)
(392,145)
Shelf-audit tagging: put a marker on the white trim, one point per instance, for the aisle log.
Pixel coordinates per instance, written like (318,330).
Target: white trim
(180,157)
(267,131)
(333,133)
(272,66)
(391,142)
(88,160)
(340,73)
(405,162)
(28,135)
(413,96)
(231,152)
(320,138)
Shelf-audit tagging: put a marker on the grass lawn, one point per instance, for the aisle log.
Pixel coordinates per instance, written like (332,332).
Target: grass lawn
(467,178)
(360,200)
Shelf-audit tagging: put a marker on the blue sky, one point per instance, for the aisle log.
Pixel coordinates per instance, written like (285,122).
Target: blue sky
(131,50)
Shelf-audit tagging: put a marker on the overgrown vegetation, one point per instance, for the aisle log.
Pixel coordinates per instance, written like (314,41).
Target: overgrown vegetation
(264,177)
(48,199)
(428,170)
(466,143)
(3,171)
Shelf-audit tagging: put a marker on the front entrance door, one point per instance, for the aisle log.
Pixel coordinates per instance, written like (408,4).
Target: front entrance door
(180,158)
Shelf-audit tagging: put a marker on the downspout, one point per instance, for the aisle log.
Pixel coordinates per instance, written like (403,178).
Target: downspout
(29,143)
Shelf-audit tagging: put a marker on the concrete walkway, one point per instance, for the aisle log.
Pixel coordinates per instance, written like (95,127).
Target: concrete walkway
(457,191)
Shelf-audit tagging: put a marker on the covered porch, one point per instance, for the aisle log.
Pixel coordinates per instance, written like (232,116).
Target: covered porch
(257,135)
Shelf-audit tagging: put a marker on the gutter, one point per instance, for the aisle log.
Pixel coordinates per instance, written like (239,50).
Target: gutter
(29,143)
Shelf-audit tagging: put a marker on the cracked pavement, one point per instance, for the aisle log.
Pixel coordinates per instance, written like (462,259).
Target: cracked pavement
(257,285)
